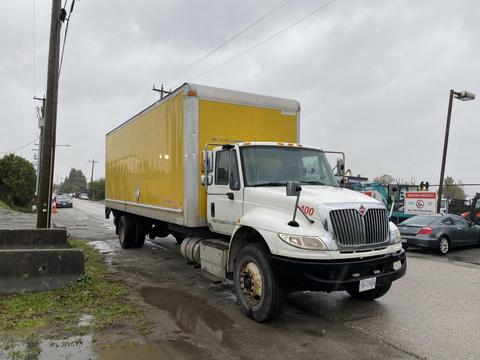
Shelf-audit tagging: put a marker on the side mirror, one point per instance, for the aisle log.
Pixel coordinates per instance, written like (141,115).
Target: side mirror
(206,178)
(340,167)
(207,161)
(293,188)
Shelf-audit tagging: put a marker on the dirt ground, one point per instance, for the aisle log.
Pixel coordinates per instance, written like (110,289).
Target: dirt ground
(189,316)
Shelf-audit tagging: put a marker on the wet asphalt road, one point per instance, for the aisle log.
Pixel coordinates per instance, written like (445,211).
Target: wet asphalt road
(430,313)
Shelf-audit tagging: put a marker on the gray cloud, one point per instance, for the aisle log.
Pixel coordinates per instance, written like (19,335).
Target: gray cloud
(372,76)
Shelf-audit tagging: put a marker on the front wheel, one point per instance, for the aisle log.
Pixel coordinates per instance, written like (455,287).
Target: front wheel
(369,295)
(259,293)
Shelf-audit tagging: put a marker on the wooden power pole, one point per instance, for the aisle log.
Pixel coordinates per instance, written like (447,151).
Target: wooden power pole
(47,154)
(91,177)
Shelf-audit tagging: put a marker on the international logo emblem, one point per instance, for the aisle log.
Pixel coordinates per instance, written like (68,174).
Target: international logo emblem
(362,210)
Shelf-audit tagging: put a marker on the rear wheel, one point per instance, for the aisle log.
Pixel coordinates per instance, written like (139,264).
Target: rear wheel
(140,232)
(126,231)
(443,245)
(259,293)
(369,295)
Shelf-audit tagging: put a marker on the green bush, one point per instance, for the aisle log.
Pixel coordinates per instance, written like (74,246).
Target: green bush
(17,181)
(97,189)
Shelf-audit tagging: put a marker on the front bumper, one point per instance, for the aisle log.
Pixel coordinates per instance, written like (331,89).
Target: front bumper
(337,275)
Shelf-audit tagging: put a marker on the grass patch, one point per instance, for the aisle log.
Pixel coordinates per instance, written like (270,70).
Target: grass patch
(4,206)
(56,313)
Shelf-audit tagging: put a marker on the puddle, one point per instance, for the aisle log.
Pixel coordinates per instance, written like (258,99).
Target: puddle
(104,247)
(85,320)
(192,314)
(81,348)
(74,348)
(161,350)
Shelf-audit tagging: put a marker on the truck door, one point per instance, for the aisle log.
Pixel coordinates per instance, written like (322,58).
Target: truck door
(225,195)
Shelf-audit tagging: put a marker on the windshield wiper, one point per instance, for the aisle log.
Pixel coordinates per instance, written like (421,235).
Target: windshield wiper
(311,182)
(270,184)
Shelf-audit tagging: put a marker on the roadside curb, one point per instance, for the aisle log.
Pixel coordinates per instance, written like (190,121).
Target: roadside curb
(37,259)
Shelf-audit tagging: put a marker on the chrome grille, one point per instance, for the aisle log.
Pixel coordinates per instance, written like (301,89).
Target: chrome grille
(352,229)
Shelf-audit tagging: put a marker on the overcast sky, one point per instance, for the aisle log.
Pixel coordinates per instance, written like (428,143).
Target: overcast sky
(372,76)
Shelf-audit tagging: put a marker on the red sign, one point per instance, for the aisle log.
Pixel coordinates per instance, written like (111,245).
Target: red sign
(421,195)
(420,202)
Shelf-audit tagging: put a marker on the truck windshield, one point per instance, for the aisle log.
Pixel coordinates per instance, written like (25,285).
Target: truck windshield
(275,165)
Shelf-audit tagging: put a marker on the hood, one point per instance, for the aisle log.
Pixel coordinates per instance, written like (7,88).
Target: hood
(311,195)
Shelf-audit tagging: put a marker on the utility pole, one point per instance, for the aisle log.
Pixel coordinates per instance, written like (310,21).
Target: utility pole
(47,154)
(41,122)
(91,177)
(161,91)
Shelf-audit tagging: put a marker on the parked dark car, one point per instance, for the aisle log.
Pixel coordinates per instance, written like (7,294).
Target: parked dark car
(439,232)
(64,201)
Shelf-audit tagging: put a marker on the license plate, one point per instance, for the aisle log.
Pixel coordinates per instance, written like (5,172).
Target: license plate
(367,284)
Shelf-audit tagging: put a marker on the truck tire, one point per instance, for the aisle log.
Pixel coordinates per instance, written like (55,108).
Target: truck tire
(126,231)
(369,295)
(259,293)
(140,232)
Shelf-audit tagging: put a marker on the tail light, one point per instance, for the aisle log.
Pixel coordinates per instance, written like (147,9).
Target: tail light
(425,231)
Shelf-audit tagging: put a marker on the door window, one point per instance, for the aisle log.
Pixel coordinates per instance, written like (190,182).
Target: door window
(221,167)
(226,169)
(447,221)
(460,221)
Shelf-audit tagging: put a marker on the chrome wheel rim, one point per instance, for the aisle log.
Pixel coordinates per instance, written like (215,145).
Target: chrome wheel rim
(251,283)
(121,233)
(443,246)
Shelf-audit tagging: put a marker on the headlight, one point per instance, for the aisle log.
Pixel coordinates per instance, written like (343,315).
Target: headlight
(395,236)
(303,242)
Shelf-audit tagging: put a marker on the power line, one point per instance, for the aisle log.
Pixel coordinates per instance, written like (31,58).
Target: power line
(19,148)
(226,42)
(266,39)
(65,34)
(259,20)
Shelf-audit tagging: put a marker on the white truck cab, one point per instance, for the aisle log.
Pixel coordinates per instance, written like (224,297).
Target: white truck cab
(325,238)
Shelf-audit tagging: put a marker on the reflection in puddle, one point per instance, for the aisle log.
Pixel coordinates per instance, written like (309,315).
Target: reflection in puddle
(193,315)
(81,348)
(85,320)
(73,348)
(161,350)
(104,247)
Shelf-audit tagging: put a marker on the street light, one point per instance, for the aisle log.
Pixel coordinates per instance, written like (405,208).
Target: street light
(464,96)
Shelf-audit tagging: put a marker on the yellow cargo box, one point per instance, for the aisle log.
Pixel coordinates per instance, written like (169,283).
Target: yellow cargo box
(154,160)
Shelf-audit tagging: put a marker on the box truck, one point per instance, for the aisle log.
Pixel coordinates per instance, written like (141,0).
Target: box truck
(225,174)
